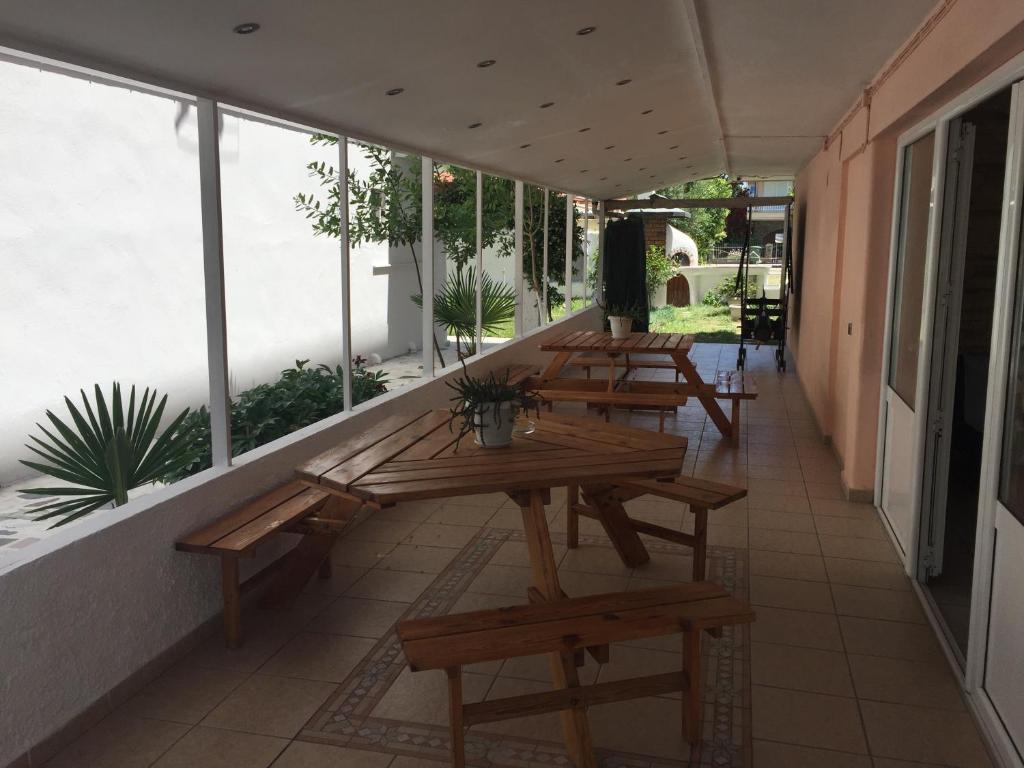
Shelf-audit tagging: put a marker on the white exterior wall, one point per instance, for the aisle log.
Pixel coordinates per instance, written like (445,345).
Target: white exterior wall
(100,249)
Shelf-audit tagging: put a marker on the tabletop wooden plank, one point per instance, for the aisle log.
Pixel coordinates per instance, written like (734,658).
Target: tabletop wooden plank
(344,474)
(521,450)
(596,429)
(554,341)
(644,341)
(317,466)
(430,446)
(559,344)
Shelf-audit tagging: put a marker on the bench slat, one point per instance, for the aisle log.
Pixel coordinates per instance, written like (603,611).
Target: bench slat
(204,538)
(244,540)
(689,490)
(740,386)
(569,634)
(611,398)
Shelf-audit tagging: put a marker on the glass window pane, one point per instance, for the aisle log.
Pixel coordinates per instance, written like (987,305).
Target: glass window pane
(498,224)
(455,261)
(915,207)
(385,228)
(1011,482)
(101,241)
(533,257)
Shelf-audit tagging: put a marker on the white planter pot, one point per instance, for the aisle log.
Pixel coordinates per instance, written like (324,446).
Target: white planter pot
(621,326)
(734,311)
(494,425)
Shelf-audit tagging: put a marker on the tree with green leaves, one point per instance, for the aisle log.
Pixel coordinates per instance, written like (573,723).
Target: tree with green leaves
(705,225)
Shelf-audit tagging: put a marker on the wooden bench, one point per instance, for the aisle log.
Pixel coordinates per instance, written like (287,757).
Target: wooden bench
(586,362)
(662,396)
(562,628)
(296,507)
(518,374)
(735,386)
(700,495)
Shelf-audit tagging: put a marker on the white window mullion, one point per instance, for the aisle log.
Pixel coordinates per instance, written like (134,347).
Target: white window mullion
(544,289)
(586,250)
(479,261)
(427,259)
(568,252)
(346,274)
(213,277)
(599,286)
(517,270)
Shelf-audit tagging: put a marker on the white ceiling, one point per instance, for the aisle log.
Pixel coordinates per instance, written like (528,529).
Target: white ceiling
(745,86)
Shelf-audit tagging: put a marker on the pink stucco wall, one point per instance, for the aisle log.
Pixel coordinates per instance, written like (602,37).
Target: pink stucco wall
(844,209)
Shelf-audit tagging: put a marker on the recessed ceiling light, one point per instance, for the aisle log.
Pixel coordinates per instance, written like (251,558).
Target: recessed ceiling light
(653,175)
(647,112)
(585,31)
(547,104)
(247,28)
(662,133)
(627,81)
(682,157)
(618,185)
(393,91)
(486,63)
(523,146)
(475,125)
(604,178)
(583,170)
(610,146)
(674,146)
(627,159)
(560,160)
(584,130)
(642,169)
(689,166)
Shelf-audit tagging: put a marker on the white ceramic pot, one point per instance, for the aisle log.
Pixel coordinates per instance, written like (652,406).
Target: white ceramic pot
(621,326)
(494,425)
(734,311)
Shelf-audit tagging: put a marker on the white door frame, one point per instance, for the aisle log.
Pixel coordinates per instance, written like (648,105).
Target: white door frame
(972,677)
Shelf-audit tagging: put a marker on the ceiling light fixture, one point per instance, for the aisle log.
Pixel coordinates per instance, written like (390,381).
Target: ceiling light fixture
(393,91)
(604,178)
(475,125)
(247,28)
(583,170)
(523,146)
(674,146)
(486,63)
(627,81)
(662,133)
(641,169)
(560,160)
(610,146)
(547,104)
(627,159)
(647,112)
(584,130)
(585,31)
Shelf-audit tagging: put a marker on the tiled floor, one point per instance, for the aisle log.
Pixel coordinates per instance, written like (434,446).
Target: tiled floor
(844,671)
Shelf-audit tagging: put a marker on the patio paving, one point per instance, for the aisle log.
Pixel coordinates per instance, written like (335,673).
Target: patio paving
(840,668)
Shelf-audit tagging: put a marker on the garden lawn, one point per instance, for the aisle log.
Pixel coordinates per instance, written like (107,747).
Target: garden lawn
(709,324)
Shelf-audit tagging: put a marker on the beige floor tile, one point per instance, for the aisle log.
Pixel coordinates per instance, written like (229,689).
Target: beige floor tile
(790,593)
(926,684)
(359,618)
(779,487)
(508,581)
(356,553)
(516,553)
(407,557)
(894,639)
(770,754)
(577,584)
(800,628)
(850,526)
(781,521)
(777,503)
(404,761)
(650,726)
(843,508)
(414,511)
(480,500)
(305,755)
(767,472)
(474,601)
(316,656)
(852,548)
(458,514)
(273,706)
(382,531)
(216,748)
(393,586)
(184,694)
(341,578)
(807,719)
(786,565)
(120,740)
(885,762)
(727,536)
(864,573)
(422,697)
(630,661)
(435,535)
(923,735)
(784,541)
(538,669)
(665,567)
(591,559)
(877,603)
(823,490)
(260,642)
(800,669)
(546,727)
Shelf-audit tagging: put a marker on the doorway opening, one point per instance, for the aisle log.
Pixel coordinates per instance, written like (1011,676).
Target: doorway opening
(961,339)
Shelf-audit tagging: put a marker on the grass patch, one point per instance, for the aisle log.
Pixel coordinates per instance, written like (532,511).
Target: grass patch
(708,324)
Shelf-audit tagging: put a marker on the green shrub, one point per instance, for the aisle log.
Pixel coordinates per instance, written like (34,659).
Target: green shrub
(726,291)
(660,269)
(302,396)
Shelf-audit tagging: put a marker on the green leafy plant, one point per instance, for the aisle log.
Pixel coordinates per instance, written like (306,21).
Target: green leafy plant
(108,451)
(476,396)
(455,306)
(660,269)
(727,291)
(300,397)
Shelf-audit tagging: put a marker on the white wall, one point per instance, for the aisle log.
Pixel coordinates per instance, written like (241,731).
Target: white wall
(100,250)
(103,596)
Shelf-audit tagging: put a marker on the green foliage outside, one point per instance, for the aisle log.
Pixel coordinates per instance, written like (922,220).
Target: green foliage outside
(726,291)
(108,451)
(300,397)
(455,307)
(660,269)
(705,225)
(708,324)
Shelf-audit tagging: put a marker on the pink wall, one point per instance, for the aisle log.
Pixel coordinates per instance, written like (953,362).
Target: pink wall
(844,209)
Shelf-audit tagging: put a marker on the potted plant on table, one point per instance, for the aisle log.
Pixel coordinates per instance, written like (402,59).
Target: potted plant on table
(620,320)
(488,406)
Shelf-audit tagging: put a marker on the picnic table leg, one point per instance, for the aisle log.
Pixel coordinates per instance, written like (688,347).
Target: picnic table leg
(700,543)
(736,421)
(691,696)
(615,520)
(709,402)
(575,726)
(456,729)
(572,518)
(555,366)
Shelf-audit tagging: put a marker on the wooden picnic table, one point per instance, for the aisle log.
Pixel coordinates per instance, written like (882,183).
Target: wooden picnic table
(416,456)
(676,346)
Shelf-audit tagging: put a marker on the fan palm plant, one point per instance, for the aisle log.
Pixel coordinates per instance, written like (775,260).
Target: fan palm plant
(455,306)
(107,452)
